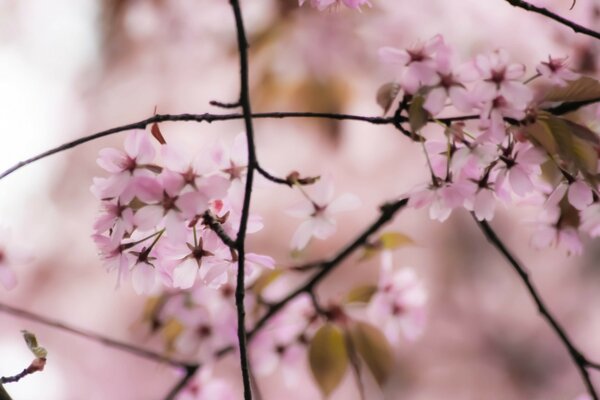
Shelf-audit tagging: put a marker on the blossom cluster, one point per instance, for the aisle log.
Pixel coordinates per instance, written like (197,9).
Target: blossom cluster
(153,225)
(498,154)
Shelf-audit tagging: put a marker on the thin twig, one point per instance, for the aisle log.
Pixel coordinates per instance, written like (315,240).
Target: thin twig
(224,105)
(208,117)
(240,290)
(129,348)
(577,356)
(211,221)
(547,13)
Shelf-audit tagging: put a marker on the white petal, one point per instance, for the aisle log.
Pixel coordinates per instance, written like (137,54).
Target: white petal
(303,234)
(346,202)
(143,278)
(184,275)
(519,181)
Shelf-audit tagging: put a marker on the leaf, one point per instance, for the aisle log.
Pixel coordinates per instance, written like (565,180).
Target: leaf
(575,143)
(328,357)
(170,332)
(387,241)
(386,94)
(361,294)
(265,280)
(417,115)
(374,349)
(541,135)
(155,130)
(394,240)
(32,344)
(582,89)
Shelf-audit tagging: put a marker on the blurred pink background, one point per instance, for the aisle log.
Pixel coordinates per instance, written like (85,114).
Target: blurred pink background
(72,67)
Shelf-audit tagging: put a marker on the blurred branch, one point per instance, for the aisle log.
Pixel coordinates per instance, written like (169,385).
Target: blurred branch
(547,13)
(190,371)
(138,351)
(240,290)
(581,362)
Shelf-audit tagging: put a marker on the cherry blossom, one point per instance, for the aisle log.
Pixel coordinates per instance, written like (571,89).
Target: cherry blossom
(555,69)
(318,210)
(398,303)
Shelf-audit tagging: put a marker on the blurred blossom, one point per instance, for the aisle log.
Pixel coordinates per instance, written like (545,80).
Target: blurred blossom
(11,256)
(398,306)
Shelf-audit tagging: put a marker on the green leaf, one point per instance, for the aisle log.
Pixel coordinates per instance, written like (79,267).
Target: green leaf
(387,241)
(361,294)
(575,143)
(394,240)
(265,280)
(386,95)
(328,357)
(417,115)
(374,349)
(541,135)
(32,344)
(582,89)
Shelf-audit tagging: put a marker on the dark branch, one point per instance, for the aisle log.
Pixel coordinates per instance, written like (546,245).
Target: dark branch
(252,164)
(211,221)
(140,352)
(547,13)
(190,371)
(578,358)
(273,178)
(189,117)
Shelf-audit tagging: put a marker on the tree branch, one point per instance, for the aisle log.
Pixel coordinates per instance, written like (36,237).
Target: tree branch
(211,221)
(577,356)
(252,163)
(547,13)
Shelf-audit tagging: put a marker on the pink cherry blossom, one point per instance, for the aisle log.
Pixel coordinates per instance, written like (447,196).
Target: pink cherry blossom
(520,168)
(399,303)
(419,64)
(556,70)
(318,210)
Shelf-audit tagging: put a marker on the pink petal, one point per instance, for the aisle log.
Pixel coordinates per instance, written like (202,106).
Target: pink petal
(580,195)
(148,217)
(393,56)
(8,278)
(519,181)
(138,146)
(436,100)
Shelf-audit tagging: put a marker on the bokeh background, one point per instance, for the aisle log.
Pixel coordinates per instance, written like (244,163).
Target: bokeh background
(72,67)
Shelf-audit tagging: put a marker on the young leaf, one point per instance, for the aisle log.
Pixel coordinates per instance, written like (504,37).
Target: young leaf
(417,115)
(361,294)
(155,130)
(386,95)
(32,343)
(575,143)
(374,349)
(394,240)
(582,89)
(328,357)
